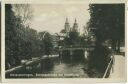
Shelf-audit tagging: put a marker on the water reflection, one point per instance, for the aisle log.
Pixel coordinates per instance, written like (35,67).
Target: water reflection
(63,65)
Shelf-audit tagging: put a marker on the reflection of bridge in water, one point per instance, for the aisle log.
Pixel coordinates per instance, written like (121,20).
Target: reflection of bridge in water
(49,64)
(71,49)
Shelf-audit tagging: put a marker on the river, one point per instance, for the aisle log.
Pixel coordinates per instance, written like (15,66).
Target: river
(54,67)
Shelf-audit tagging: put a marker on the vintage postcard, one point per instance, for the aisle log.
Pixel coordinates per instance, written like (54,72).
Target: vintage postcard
(76,41)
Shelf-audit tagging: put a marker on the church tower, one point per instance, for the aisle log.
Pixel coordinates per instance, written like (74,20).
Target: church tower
(67,26)
(75,26)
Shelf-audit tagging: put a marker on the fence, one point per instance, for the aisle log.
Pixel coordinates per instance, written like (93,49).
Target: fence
(109,67)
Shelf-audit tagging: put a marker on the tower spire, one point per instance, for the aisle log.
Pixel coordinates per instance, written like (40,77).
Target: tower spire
(75,20)
(75,26)
(66,20)
(67,26)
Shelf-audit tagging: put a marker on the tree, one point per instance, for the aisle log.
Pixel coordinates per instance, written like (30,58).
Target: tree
(72,39)
(21,42)
(63,31)
(23,11)
(48,44)
(11,37)
(46,39)
(108,22)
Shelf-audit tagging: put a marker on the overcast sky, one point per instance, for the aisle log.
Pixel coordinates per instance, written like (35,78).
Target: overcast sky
(51,17)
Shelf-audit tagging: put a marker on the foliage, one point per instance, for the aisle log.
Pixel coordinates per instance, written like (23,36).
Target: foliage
(47,40)
(107,24)
(11,36)
(22,42)
(74,39)
(24,12)
(63,31)
(99,58)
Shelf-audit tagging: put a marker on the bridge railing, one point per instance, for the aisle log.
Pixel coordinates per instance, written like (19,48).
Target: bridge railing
(77,46)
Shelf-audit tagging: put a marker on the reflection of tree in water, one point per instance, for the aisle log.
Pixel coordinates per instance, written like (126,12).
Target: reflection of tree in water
(46,65)
(76,57)
(100,57)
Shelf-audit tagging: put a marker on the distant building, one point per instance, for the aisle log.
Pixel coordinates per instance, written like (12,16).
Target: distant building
(65,32)
(68,28)
(75,26)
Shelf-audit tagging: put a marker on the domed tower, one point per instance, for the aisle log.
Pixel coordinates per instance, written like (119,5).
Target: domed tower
(75,26)
(67,26)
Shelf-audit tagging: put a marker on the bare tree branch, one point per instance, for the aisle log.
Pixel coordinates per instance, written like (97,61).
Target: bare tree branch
(23,11)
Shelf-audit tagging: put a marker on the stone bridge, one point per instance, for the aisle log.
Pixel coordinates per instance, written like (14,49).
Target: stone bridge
(71,49)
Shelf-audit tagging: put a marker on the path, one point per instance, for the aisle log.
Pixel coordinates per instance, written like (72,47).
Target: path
(118,67)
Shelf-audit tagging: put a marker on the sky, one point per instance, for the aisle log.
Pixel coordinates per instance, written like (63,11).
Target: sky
(51,17)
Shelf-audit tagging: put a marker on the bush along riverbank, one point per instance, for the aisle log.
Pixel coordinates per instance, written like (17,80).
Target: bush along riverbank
(98,61)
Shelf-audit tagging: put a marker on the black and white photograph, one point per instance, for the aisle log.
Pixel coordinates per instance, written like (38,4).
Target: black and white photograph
(74,40)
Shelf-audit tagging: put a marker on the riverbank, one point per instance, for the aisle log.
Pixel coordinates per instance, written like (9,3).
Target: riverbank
(29,62)
(51,68)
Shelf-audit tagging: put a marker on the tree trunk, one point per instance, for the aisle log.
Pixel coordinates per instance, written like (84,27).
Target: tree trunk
(114,45)
(118,45)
